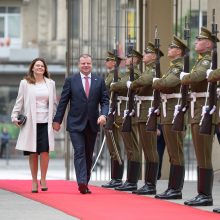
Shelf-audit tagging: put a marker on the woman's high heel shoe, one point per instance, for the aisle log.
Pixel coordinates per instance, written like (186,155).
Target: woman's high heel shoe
(34,190)
(43,188)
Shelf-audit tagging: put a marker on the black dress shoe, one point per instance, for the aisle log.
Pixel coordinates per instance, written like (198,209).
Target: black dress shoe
(170,194)
(145,190)
(88,191)
(113,183)
(83,188)
(127,186)
(217,210)
(200,200)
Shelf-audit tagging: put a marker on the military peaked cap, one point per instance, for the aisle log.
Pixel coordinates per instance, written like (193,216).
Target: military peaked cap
(135,53)
(206,34)
(151,49)
(111,56)
(178,43)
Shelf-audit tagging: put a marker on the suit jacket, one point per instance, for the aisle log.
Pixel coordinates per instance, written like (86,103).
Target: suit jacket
(26,104)
(82,109)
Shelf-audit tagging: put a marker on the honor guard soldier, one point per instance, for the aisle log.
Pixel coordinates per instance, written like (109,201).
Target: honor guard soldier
(214,76)
(130,139)
(202,143)
(169,86)
(116,168)
(147,140)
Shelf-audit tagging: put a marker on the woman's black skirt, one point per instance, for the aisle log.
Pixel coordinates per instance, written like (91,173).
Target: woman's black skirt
(42,139)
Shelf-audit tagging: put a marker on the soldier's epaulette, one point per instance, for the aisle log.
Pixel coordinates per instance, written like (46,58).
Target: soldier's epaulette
(207,57)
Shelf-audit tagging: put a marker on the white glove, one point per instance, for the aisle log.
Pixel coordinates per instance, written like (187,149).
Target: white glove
(128,83)
(155,78)
(125,113)
(157,111)
(208,73)
(204,109)
(212,110)
(182,74)
(150,110)
(176,111)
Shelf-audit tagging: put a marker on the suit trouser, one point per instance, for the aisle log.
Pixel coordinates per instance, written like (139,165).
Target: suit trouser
(203,147)
(174,144)
(116,136)
(132,148)
(83,144)
(148,142)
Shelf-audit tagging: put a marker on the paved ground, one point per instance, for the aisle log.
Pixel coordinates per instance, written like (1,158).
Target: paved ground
(13,206)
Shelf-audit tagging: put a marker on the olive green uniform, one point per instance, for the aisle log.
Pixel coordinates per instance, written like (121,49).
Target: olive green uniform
(147,140)
(202,143)
(129,138)
(169,86)
(115,130)
(116,168)
(213,77)
(198,84)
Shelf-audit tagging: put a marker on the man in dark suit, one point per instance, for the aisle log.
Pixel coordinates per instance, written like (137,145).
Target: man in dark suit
(86,92)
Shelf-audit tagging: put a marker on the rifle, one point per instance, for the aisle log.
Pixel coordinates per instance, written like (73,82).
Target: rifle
(211,95)
(153,113)
(129,111)
(180,109)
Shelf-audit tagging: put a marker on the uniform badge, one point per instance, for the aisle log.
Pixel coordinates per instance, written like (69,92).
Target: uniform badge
(175,70)
(205,62)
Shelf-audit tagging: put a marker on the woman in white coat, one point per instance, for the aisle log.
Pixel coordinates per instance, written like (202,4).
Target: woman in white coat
(37,100)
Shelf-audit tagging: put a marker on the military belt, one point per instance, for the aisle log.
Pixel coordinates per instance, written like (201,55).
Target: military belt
(120,99)
(194,96)
(139,100)
(164,98)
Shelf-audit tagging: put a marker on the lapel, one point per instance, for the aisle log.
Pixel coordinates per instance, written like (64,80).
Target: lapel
(94,81)
(31,93)
(79,84)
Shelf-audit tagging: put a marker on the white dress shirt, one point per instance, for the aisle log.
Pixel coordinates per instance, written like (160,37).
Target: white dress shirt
(83,80)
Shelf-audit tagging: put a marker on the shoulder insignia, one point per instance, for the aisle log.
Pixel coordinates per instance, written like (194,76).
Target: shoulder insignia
(175,70)
(205,62)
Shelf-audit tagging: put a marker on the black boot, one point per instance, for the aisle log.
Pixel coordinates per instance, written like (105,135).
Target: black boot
(175,185)
(205,183)
(150,180)
(217,210)
(133,174)
(116,175)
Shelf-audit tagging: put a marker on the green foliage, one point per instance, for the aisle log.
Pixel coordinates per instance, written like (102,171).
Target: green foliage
(12,129)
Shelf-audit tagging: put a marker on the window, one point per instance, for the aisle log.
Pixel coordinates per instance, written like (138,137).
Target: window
(10,26)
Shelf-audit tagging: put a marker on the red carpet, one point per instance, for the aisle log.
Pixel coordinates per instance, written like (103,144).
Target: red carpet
(105,204)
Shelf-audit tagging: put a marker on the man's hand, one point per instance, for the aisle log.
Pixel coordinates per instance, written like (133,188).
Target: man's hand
(56,126)
(101,120)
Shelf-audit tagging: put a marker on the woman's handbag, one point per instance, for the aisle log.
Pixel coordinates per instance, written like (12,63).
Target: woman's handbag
(22,119)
